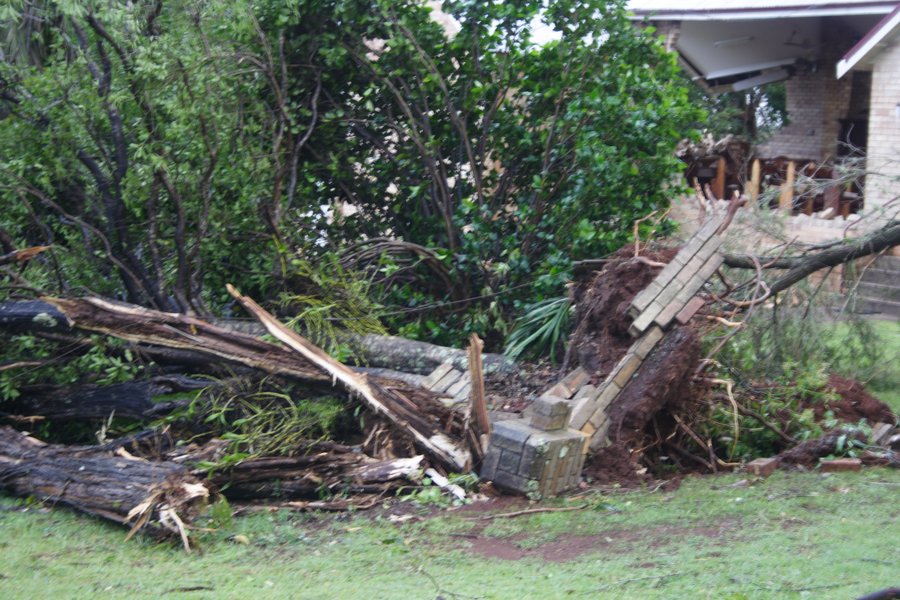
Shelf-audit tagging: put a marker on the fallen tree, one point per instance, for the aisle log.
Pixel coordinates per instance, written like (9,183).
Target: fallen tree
(162,496)
(383,397)
(129,400)
(369,351)
(413,412)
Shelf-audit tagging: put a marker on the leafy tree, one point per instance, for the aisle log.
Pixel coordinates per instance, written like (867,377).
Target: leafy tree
(507,158)
(147,149)
(164,148)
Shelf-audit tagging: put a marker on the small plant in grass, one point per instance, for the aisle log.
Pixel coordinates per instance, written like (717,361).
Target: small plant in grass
(220,514)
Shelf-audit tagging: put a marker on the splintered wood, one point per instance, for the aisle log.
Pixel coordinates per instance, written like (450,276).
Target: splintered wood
(382,399)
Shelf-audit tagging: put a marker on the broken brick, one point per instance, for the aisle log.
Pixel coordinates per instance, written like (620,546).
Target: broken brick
(840,464)
(762,467)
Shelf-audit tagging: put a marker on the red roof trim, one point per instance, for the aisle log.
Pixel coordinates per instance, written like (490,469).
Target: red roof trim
(792,7)
(871,33)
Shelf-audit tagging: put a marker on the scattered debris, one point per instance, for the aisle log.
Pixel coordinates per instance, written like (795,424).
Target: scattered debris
(629,403)
(762,467)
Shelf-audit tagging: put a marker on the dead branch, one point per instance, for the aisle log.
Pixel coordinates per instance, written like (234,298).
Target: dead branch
(21,256)
(380,398)
(802,266)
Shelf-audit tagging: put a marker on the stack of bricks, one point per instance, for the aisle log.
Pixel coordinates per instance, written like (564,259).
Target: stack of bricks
(670,297)
(452,382)
(542,457)
(589,413)
(545,456)
(672,290)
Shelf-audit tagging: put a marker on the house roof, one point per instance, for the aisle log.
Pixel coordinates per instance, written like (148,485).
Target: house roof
(735,44)
(886,31)
(719,10)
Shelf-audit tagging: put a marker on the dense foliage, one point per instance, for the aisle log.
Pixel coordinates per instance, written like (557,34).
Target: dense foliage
(166,148)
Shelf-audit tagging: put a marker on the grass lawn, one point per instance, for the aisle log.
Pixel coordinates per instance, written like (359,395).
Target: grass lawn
(794,535)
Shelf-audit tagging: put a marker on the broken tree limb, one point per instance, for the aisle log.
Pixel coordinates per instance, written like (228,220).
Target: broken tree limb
(476,372)
(802,266)
(382,399)
(23,255)
(32,316)
(809,452)
(327,468)
(881,240)
(371,351)
(181,332)
(100,483)
(129,400)
(422,358)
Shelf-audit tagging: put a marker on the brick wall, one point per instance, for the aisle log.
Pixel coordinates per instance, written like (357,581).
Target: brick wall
(816,102)
(883,155)
(802,138)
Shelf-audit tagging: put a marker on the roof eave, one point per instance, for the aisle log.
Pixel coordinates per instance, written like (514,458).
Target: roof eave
(870,44)
(737,14)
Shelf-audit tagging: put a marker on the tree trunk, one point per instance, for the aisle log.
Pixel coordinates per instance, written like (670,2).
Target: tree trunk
(329,469)
(130,400)
(119,488)
(419,357)
(802,266)
(394,353)
(371,351)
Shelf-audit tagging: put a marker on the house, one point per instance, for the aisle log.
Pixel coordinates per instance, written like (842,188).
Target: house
(840,61)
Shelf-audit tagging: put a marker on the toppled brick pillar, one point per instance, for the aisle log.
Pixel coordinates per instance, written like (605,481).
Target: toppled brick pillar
(542,458)
(551,413)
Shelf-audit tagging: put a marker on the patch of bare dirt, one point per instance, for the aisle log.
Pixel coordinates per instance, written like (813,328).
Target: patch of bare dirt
(855,403)
(571,547)
(601,335)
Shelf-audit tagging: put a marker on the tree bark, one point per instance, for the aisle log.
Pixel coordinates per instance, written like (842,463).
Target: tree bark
(809,452)
(802,266)
(129,400)
(419,357)
(98,482)
(329,469)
